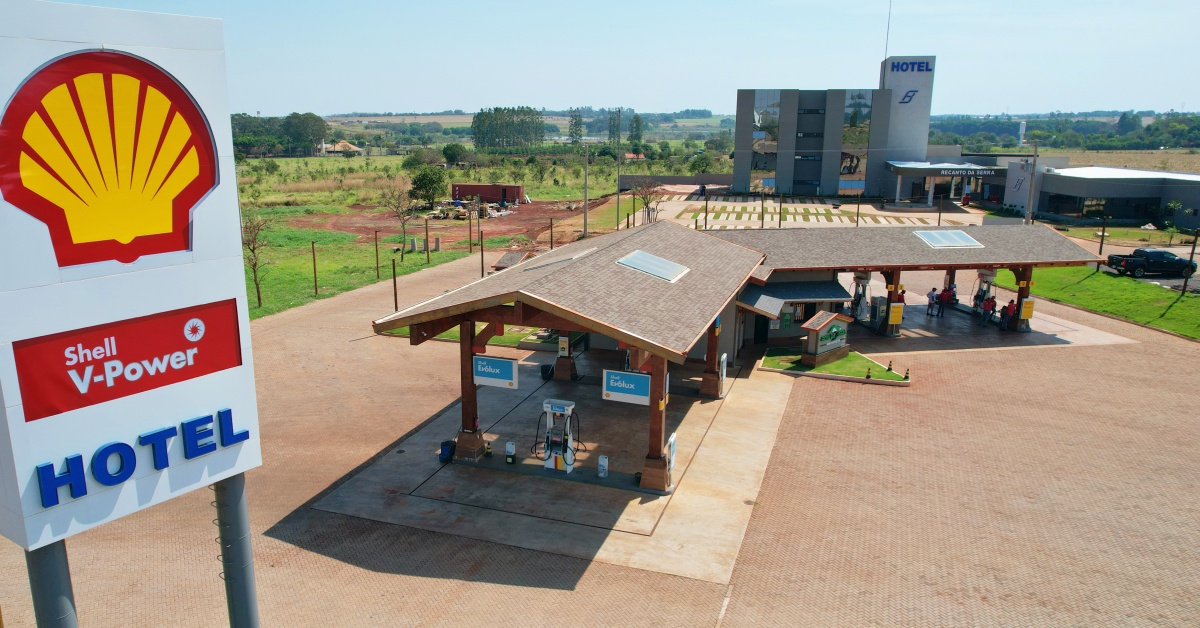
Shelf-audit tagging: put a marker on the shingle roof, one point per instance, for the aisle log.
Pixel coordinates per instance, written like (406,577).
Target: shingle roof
(584,279)
(852,248)
(768,300)
(510,259)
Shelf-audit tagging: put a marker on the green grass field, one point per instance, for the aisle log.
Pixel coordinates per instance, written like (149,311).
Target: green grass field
(1123,297)
(1128,236)
(853,365)
(342,265)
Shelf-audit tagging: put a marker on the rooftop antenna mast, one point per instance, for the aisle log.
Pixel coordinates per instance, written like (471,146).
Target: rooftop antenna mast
(888,36)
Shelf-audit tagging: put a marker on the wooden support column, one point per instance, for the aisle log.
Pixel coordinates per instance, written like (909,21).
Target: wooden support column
(655,475)
(949,281)
(892,278)
(470,440)
(564,366)
(710,383)
(1024,277)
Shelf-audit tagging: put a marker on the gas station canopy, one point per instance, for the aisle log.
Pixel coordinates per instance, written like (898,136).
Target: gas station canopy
(657,287)
(926,169)
(896,248)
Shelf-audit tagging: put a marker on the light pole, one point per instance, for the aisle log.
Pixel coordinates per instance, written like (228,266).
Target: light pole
(1103,234)
(1032,178)
(1192,257)
(585,191)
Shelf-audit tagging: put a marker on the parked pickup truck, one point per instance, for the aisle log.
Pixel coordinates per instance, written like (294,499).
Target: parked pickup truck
(1143,261)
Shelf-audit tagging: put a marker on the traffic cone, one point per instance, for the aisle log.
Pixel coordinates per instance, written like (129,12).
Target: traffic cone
(906,374)
(868,373)
(889,366)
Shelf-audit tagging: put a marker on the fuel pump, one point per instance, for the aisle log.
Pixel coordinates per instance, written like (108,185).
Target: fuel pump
(985,286)
(862,296)
(554,443)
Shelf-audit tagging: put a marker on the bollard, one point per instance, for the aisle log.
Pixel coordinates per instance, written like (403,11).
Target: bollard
(412,245)
(437,244)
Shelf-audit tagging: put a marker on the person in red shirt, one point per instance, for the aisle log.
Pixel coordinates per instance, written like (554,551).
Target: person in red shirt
(944,299)
(1007,313)
(988,308)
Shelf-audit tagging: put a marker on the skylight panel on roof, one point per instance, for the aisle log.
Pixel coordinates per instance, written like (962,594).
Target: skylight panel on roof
(953,239)
(654,265)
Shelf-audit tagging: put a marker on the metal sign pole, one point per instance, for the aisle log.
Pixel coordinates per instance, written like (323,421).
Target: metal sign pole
(377,254)
(237,561)
(50,586)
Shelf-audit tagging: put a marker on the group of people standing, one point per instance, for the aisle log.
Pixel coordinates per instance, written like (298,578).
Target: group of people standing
(939,300)
(987,307)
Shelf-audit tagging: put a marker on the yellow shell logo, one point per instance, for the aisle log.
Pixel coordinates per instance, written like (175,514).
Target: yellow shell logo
(111,153)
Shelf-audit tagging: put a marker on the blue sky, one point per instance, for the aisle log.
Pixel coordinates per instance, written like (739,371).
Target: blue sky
(993,56)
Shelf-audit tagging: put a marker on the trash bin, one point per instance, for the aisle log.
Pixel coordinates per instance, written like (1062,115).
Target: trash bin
(547,371)
(447,452)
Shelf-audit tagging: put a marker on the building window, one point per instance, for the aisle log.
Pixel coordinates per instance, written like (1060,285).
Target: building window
(808,157)
(810,134)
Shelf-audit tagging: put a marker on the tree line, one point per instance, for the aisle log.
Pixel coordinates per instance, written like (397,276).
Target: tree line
(296,134)
(503,127)
(1127,132)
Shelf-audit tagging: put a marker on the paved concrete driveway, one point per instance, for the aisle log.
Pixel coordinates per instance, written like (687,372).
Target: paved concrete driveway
(1031,486)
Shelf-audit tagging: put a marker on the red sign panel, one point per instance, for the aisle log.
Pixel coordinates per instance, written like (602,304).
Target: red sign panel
(81,368)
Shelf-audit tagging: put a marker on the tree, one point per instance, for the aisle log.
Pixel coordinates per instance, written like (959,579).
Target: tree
(701,163)
(722,142)
(635,128)
(429,184)
(540,169)
(399,202)
(575,128)
(645,190)
(614,127)
(304,131)
(1128,123)
(664,149)
(454,152)
(254,240)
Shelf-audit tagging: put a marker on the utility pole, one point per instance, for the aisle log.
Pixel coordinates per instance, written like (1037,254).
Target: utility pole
(585,193)
(620,154)
(1032,178)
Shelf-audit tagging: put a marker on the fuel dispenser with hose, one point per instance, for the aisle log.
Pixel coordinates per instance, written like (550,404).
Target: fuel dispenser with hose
(555,440)
(985,286)
(861,300)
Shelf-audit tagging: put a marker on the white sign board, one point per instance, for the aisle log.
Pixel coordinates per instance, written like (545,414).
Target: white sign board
(126,376)
(500,372)
(626,386)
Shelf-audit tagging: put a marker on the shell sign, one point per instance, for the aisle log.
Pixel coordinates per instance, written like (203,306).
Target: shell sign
(110,152)
(126,369)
